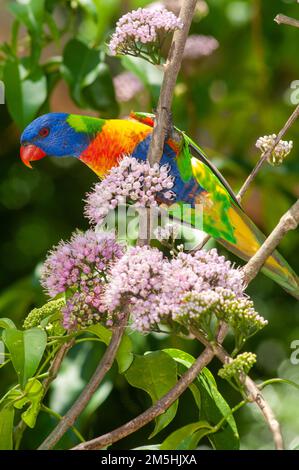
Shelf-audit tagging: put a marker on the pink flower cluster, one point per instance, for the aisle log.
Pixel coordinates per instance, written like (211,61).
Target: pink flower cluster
(142,27)
(199,45)
(79,267)
(131,181)
(135,281)
(155,288)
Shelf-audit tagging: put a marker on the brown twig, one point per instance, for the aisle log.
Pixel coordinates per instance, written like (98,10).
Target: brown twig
(252,391)
(283,19)
(104,366)
(56,363)
(289,221)
(172,68)
(52,374)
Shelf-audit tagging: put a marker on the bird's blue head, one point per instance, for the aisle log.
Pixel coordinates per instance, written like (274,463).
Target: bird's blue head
(54,135)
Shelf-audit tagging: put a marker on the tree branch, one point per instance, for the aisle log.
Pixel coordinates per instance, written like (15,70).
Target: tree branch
(289,221)
(252,391)
(172,69)
(283,19)
(104,366)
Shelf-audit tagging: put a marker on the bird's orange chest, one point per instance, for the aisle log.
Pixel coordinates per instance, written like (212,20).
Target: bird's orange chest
(116,139)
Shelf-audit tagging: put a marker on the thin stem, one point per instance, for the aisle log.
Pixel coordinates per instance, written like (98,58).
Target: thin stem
(283,19)
(50,376)
(277,381)
(59,417)
(281,133)
(104,366)
(55,366)
(258,166)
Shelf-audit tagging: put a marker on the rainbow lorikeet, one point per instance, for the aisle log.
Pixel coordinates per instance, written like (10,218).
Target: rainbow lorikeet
(100,144)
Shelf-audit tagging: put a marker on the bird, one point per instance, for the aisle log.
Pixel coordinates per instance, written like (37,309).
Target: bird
(101,143)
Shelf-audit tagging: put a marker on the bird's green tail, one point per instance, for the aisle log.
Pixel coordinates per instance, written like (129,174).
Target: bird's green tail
(248,240)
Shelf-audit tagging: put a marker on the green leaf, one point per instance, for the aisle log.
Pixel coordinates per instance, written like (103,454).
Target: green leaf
(186,360)
(187,437)
(26,91)
(100,95)
(6,323)
(214,407)
(26,349)
(6,427)
(156,374)
(33,395)
(88,77)
(124,354)
(30,13)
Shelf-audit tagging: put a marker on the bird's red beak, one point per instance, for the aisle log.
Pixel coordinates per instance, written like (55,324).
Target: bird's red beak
(30,153)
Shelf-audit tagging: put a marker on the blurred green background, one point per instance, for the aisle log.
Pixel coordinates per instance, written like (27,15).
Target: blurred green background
(225,101)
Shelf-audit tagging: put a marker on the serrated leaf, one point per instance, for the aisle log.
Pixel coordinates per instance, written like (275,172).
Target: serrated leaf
(124,354)
(26,349)
(156,374)
(6,427)
(33,395)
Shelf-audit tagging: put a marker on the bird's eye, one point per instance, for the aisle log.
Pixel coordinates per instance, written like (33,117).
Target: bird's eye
(44,132)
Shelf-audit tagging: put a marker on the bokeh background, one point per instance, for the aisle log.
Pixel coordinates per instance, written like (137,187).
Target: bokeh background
(225,100)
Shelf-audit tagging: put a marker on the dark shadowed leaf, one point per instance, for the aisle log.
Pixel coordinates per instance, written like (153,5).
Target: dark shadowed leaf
(124,354)
(88,77)
(156,374)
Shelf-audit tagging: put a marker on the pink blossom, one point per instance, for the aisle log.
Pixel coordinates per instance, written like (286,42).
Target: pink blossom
(132,182)
(80,268)
(155,288)
(126,85)
(141,28)
(199,45)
